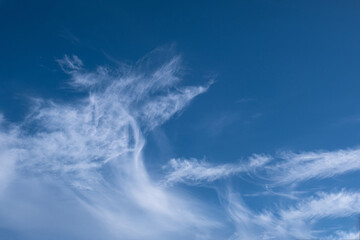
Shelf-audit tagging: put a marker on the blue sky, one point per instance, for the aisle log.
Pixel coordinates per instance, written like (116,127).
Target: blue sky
(179,120)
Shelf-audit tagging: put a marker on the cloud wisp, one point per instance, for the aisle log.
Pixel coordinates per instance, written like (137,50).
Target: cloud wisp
(91,151)
(285,168)
(293,222)
(295,218)
(299,167)
(193,171)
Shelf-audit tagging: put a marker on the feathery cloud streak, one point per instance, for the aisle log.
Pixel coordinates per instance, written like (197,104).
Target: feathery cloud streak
(298,167)
(294,222)
(194,171)
(285,168)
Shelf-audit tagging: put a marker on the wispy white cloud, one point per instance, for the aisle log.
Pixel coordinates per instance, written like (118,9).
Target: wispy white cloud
(342,235)
(287,167)
(8,156)
(160,109)
(196,171)
(70,64)
(339,204)
(298,167)
(93,148)
(294,222)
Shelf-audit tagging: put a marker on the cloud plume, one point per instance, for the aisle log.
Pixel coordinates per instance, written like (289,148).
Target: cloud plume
(90,149)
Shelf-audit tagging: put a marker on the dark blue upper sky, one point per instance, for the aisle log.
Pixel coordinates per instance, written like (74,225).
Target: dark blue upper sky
(287,73)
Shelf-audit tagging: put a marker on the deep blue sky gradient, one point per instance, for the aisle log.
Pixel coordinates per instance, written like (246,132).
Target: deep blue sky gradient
(287,73)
